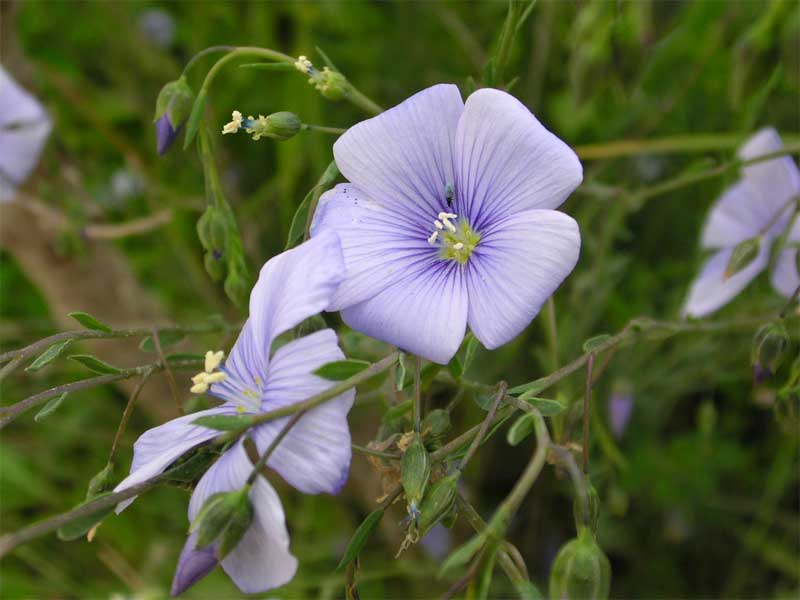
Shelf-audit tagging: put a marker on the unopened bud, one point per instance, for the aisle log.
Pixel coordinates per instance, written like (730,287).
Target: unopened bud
(214,262)
(102,482)
(588,515)
(581,570)
(416,470)
(224,518)
(438,502)
(173,106)
(742,255)
(769,350)
(237,286)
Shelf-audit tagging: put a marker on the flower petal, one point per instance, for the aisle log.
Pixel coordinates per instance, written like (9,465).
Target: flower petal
(749,206)
(403,157)
(160,446)
(785,277)
(261,560)
(193,565)
(315,455)
(506,161)
(517,265)
(710,291)
(291,287)
(375,239)
(424,311)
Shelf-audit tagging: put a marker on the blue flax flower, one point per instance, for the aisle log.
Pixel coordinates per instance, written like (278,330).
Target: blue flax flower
(448,221)
(759,205)
(314,456)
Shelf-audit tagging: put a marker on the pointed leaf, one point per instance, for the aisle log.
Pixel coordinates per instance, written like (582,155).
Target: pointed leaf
(95,364)
(521,429)
(341,369)
(593,343)
(50,407)
(360,537)
(49,355)
(528,389)
(224,422)
(89,321)
(547,406)
(79,527)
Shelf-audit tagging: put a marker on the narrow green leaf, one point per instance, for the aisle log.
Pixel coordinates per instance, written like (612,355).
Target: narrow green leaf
(526,590)
(397,412)
(89,321)
(268,66)
(79,527)
(193,124)
(360,538)
(95,364)
(547,406)
(186,470)
(401,372)
(521,429)
(299,220)
(593,343)
(469,353)
(181,356)
(462,555)
(224,422)
(528,389)
(49,355)
(166,339)
(50,407)
(455,367)
(341,369)
(487,573)
(328,61)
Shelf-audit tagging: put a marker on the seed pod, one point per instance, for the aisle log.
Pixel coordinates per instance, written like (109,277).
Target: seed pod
(225,516)
(416,470)
(282,125)
(438,502)
(769,350)
(580,571)
(332,85)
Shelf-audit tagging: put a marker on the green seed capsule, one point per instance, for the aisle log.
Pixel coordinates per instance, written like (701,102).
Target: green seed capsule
(593,501)
(416,470)
(742,255)
(580,571)
(225,516)
(438,502)
(769,349)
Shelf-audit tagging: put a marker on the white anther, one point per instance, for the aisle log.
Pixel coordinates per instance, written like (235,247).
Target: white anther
(447,215)
(432,239)
(303,65)
(216,377)
(438,224)
(200,377)
(213,359)
(234,125)
(450,226)
(458,246)
(199,388)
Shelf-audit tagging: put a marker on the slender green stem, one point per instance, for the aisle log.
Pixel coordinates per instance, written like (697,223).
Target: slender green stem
(324,129)
(587,407)
(362,101)
(10,413)
(476,441)
(238,52)
(376,453)
(262,460)
(792,299)
(778,213)
(173,387)
(126,414)
(205,52)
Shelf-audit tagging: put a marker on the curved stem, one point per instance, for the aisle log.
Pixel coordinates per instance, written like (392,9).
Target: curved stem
(205,52)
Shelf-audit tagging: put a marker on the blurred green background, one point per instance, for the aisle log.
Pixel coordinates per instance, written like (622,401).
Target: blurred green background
(699,494)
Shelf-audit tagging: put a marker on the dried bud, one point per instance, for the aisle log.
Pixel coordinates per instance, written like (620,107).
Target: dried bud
(742,255)
(580,571)
(224,517)
(173,106)
(416,470)
(769,350)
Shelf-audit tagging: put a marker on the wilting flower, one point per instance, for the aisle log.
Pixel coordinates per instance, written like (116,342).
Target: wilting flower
(448,221)
(314,456)
(785,276)
(752,212)
(24,127)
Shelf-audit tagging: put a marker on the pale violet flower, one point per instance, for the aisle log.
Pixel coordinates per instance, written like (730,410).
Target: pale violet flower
(24,127)
(759,204)
(620,409)
(785,276)
(448,220)
(314,456)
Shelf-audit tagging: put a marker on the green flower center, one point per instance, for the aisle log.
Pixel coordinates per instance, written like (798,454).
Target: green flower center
(455,241)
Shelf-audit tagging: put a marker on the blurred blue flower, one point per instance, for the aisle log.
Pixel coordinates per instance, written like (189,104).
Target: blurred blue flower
(24,128)
(448,221)
(759,205)
(620,408)
(314,456)
(157,26)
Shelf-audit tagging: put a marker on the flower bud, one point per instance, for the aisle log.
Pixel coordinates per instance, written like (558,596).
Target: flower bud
(212,229)
(173,106)
(102,482)
(580,571)
(769,350)
(214,262)
(438,501)
(237,285)
(742,255)
(416,470)
(224,517)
